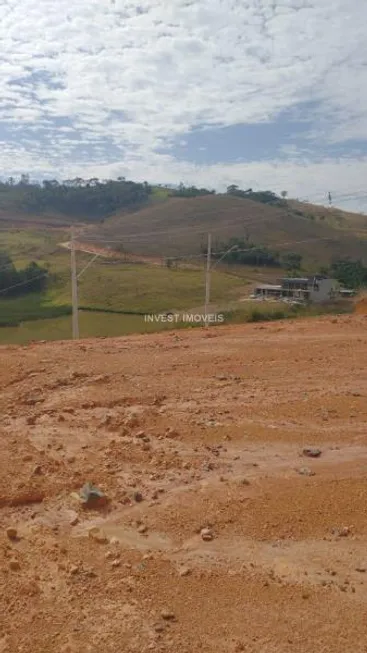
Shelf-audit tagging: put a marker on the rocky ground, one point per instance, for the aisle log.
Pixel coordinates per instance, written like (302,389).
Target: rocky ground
(215,532)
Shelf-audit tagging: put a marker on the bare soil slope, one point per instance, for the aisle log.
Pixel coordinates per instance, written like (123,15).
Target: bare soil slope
(184,432)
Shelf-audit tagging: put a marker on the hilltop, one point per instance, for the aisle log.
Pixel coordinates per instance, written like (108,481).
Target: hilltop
(157,220)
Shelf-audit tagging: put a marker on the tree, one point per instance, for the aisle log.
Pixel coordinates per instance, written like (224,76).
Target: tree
(242,252)
(284,194)
(32,278)
(232,189)
(352,274)
(292,261)
(24,179)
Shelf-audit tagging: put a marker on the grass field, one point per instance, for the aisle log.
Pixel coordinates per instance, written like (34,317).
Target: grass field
(93,325)
(106,284)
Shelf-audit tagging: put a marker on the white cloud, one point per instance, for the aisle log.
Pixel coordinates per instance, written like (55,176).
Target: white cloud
(135,76)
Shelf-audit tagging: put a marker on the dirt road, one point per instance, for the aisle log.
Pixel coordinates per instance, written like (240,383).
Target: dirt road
(184,432)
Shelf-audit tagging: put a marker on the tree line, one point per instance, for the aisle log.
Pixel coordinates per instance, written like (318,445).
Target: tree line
(94,199)
(90,199)
(13,282)
(241,251)
(350,273)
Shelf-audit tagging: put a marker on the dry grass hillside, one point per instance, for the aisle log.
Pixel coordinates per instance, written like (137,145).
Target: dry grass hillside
(179,226)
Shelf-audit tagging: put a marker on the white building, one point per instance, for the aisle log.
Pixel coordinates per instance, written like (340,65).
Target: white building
(315,289)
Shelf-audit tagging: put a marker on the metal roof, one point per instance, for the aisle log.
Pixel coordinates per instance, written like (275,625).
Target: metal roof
(268,286)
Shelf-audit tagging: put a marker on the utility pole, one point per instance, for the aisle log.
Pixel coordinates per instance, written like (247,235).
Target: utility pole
(74,286)
(207,275)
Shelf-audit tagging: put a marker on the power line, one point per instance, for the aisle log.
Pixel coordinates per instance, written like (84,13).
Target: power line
(174,231)
(24,283)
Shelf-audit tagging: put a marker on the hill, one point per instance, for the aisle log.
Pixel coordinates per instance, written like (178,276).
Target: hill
(179,226)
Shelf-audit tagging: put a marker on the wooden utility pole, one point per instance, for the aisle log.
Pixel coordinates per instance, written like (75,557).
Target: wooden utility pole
(208,274)
(74,286)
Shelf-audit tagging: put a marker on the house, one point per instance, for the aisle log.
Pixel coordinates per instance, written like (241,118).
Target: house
(267,291)
(316,289)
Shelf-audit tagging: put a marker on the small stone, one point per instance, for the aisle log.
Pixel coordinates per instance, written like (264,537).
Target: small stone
(92,496)
(361,568)
(167,615)
(116,563)
(206,534)
(344,531)
(159,628)
(184,571)
(245,481)
(312,453)
(305,471)
(138,497)
(74,520)
(74,569)
(31,420)
(14,565)
(97,535)
(142,529)
(12,533)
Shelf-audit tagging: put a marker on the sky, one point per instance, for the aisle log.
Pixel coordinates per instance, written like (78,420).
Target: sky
(264,94)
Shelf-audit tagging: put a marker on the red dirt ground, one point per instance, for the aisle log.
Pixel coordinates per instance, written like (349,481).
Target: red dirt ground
(208,426)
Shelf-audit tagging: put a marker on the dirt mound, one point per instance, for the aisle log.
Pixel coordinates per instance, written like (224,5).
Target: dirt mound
(212,538)
(361,306)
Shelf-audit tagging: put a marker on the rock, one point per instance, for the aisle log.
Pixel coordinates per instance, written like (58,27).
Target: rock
(138,497)
(31,420)
(206,534)
(171,432)
(312,453)
(361,568)
(344,531)
(74,570)
(167,615)
(245,481)
(159,628)
(305,471)
(207,467)
(74,520)
(14,565)
(116,563)
(184,571)
(97,535)
(12,533)
(142,529)
(341,532)
(92,497)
